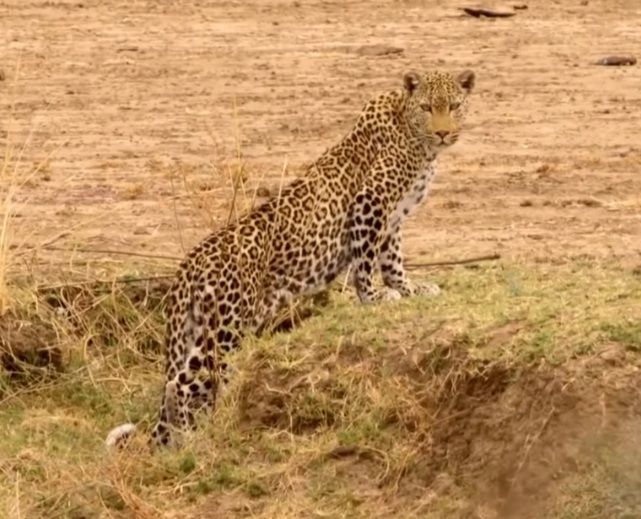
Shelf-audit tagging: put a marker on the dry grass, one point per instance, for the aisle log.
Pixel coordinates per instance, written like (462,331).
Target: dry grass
(514,395)
(382,411)
(8,184)
(509,396)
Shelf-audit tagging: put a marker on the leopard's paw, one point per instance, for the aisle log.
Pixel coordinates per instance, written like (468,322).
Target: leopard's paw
(426,289)
(389,294)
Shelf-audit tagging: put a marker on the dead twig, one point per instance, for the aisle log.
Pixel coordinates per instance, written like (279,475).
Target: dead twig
(110,251)
(530,443)
(490,257)
(617,61)
(486,13)
(51,241)
(103,282)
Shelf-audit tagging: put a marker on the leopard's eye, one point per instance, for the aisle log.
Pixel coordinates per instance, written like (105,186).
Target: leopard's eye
(426,107)
(454,106)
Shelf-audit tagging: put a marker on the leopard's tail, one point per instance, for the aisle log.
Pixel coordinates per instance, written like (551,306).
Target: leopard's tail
(119,436)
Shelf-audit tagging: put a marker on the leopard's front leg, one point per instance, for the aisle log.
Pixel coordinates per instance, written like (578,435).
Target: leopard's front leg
(366,238)
(393,272)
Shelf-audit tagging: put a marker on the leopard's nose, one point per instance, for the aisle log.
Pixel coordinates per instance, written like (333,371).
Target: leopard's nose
(442,134)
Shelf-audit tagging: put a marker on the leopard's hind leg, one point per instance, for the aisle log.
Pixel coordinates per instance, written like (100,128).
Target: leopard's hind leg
(185,334)
(203,332)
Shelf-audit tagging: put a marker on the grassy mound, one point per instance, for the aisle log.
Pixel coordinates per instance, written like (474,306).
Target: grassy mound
(515,394)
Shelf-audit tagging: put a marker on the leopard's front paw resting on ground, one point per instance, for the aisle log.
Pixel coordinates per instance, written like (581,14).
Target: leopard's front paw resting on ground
(425,289)
(388,294)
(382,295)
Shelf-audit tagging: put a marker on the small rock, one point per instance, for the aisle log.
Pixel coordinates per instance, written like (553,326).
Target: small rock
(613,354)
(589,202)
(378,50)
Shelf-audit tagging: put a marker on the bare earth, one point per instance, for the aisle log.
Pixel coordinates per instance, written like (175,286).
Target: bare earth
(127,117)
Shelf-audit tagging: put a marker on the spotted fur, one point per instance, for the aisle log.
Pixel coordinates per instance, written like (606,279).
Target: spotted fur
(347,209)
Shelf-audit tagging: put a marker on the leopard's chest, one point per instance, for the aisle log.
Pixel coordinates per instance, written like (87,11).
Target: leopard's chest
(413,197)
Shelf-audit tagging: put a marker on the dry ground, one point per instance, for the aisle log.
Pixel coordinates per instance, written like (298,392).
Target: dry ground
(124,124)
(118,98)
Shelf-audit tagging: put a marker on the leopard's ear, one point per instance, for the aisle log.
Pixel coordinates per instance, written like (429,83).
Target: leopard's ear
(466,79)
(411,80)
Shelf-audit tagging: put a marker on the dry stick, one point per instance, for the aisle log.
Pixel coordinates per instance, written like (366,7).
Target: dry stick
(110,251)
(260,182)
(476,259)
(177,220)
(530,444)
(239,161)
(478,13)
(347,278)
(51,241)
(235,180)
(122,280)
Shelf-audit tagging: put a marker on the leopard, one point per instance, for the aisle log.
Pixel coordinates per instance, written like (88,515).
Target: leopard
(345,212)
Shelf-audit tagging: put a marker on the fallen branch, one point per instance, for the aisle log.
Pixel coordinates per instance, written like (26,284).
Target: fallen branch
(617,61)
(487,13)
(490,257)
(103,282)
(109,251)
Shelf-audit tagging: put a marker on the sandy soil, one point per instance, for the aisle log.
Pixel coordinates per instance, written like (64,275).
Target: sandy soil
(134,109)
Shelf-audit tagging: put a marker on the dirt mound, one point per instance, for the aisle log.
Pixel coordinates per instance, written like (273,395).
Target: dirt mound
(106,314)
(29,346)
(99,315)
(503,435)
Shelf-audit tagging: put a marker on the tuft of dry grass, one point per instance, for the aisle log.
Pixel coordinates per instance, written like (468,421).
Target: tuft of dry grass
(8,191)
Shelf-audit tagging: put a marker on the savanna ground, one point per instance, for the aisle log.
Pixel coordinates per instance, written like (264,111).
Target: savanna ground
(515,394)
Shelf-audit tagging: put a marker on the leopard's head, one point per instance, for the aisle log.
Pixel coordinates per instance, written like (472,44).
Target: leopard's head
(436,105)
